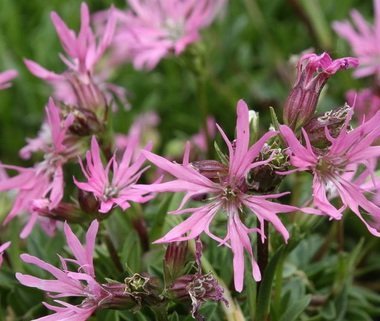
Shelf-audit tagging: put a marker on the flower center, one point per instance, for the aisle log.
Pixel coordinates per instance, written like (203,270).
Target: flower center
(175,29)
(110,192)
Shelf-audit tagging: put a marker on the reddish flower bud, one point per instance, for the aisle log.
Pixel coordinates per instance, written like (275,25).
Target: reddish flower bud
(313,71)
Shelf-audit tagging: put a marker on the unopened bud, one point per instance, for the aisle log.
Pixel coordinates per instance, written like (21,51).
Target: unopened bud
(333,121)
(175,259)
(313,71)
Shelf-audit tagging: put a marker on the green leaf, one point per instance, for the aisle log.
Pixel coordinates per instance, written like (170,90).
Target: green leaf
(162,211)
(264,296)
(296,308)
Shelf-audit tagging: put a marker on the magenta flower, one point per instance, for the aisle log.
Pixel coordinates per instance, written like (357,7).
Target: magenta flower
(6,77)
(151,30)
(334,169)
(3,247)
(45,179)
(228,197)
(363,39)
(313,71)
(80,283)
(119,190)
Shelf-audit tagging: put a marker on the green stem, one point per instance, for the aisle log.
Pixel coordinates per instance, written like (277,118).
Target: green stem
(113,252)
(160,312)
(263,252)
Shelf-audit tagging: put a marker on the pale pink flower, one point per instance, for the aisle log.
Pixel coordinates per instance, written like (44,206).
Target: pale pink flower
(3,247)
(6,77)
(118,190)
(364,40)
(45,179)
(335,169)
(152,29)
(228,196)
(79,283)
(366,102)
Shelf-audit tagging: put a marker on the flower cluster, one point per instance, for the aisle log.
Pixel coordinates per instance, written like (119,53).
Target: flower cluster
(80,171)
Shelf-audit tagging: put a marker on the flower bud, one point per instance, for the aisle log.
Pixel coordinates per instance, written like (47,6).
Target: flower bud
(333,121)
(174,261)
(313,71)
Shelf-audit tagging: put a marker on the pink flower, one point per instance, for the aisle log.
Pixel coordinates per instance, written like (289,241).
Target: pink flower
(6,77)
(81,85)
(151,30)
(366,102)
(120,189)
(335,168)
(45,179)
(80,283)
(313,71)
(2,249)
(228,196)
(54,138)
(363,39)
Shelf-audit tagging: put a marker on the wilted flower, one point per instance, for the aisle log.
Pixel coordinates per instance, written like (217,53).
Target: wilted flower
(6,77)
(120,189)
(3,247)
(313,71)
(198,288)
(228,195)
(335,167)
(333,120)
(150,30)
(364,40)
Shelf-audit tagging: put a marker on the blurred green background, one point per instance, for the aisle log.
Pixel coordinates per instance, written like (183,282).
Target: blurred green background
(247,54)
